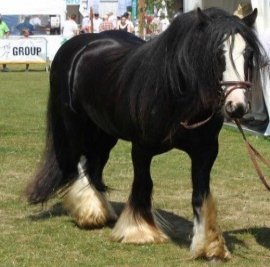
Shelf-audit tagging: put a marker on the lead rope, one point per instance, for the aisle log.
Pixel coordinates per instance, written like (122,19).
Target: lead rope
(195,125)
(254,155)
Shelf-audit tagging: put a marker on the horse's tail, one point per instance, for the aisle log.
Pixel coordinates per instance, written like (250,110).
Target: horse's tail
(59,165)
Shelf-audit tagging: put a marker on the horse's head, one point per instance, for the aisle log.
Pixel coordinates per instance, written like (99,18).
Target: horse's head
(235,83)
(236,78)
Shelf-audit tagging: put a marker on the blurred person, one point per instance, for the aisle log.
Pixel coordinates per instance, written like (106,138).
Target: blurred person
(96,23)
(36,22)
(113,19)
(25,25)
(163,23)
(123,25)
(85,24)
(154,25)
(4,32)
(26,34)
(70,27)
(106,25)
(129,21)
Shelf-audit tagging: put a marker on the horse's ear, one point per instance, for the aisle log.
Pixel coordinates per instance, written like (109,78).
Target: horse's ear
(202,16)
(250,19)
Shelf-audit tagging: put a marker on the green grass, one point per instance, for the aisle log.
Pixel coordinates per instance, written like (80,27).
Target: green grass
(46,236)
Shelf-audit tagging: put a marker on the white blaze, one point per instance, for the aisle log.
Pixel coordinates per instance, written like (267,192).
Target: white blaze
(234,54)
(230,74)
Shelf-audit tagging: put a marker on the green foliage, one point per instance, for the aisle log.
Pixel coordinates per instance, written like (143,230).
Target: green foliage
(46,236)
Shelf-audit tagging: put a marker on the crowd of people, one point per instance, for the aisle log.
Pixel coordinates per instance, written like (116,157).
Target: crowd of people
(107,22)
(154,24)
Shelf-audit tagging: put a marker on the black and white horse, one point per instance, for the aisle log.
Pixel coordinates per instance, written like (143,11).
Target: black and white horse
(170,92)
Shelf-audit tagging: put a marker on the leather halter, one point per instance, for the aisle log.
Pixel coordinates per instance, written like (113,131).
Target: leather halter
(195,125)
(230,87)
(233,85)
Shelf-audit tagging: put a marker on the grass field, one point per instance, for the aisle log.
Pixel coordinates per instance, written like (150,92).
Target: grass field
(46,236)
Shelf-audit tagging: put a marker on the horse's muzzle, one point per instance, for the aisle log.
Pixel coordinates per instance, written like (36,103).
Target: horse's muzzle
(235,111)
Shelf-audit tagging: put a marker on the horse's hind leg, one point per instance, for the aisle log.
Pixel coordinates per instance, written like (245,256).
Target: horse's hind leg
(85,199)
(207,241)
(137,223)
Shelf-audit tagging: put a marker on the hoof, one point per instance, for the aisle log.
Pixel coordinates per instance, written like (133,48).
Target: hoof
(87,206)
(135,230)
(211,247)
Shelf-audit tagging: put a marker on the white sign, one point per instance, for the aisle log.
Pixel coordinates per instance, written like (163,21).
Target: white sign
(73,2)
(23,50)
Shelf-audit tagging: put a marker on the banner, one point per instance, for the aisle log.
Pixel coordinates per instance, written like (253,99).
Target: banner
(23,50)
(134,10)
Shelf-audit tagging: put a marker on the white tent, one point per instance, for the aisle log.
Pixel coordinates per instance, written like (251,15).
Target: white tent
(30,7)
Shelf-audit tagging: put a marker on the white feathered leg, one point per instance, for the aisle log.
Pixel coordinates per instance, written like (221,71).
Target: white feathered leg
(133,228)
(88,206)
(208,241)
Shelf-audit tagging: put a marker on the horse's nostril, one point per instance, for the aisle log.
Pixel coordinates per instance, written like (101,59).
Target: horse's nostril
(228,107)
(235,111)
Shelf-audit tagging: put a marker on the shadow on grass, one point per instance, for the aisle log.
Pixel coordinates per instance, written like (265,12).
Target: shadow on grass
(56,210)
(261,235)
(176,227)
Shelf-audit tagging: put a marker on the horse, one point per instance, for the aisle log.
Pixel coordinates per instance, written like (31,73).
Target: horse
(173,91)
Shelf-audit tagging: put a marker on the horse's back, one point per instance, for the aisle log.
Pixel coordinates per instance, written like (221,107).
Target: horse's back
(98,81)
(85,75)
(69,49)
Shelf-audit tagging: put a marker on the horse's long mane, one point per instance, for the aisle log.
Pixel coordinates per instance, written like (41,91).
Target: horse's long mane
(185,64)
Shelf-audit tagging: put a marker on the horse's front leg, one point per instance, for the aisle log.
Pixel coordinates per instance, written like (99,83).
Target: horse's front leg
(207,241)
(137,223)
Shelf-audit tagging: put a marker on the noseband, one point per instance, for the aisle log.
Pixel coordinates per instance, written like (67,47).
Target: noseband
(233,85)
(228,87)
